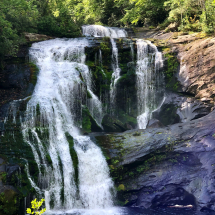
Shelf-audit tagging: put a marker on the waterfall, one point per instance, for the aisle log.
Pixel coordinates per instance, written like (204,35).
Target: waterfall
(53,113)
(101,31)
(94,104)
(100,62)
(149,81)
(132,50)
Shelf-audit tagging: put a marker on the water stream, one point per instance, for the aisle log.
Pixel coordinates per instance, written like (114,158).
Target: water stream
(113,33)
(54,110)
(149,81)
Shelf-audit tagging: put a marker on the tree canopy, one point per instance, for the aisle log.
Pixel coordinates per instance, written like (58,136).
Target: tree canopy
(63,18)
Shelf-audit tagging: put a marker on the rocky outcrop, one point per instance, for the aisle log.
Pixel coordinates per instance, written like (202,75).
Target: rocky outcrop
(32,37)
(165,166)
(179,108)
(111,124)
(195,53)
(9,195)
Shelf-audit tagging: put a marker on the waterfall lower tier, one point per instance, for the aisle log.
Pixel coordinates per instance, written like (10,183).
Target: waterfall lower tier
(53,113)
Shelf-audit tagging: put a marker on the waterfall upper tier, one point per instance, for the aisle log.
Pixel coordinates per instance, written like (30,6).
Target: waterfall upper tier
(101,31)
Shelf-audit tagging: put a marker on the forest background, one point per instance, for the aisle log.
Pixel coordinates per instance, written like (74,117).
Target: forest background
(63,18)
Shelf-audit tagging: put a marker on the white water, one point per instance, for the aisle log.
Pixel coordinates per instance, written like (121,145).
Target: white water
(94,104)
(101,31)
(100,62)
(149,81)
(58,95)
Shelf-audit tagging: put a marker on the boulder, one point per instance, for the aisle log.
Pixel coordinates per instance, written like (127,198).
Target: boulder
(8,200)
(197,65)
(154,123)
(172,27)
(111,124)
(32,37)
(181,108)
(165,166)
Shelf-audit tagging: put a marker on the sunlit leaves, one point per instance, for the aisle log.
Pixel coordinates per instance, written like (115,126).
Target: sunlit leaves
(35,207)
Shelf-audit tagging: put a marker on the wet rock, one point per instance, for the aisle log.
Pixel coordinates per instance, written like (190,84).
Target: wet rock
(154,123)
(165,166)
(9,195)
(180,108)
(8,200)
(11,171)
(111,124)
(172,27)
(32,37)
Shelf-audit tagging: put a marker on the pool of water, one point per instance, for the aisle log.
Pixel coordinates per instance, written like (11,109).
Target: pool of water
(132,211)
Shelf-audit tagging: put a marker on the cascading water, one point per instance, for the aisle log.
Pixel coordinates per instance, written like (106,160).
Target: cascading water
(52,112)
(149,81)
(54,115)
(100,31)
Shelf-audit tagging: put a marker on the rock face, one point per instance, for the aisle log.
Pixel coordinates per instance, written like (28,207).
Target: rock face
(179,108)
(31,37)
(165,166)
(197,65)
(9,195)
(154,123)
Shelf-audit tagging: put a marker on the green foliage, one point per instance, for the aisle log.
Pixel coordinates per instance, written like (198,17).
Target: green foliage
(172,65)
(73,155)
(8,202)
(16,16)
(63,18)
(86,123)
(19,16)
(140,11)
(35,207)
(192,15)
(58,27)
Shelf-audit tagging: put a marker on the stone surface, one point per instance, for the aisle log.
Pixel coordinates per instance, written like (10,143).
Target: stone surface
(154,123)
(180,108)
(197,65)
(32,37)
(172,27)
(111,124)
(9,195)
(165,166)
(9,200)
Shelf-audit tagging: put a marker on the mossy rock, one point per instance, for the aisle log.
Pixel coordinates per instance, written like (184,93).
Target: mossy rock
(9,201)
(170,71)
(111,124)
(167,114)
(88,122)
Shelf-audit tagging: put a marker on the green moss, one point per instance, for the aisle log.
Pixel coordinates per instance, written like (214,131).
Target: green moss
(8,202)
(38,109)
(105,48)
(3,177)
(121,187)
(106,39)
(34,72)
(86,123)
(89,96)
(48,159)
(73,155)
(172,65)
